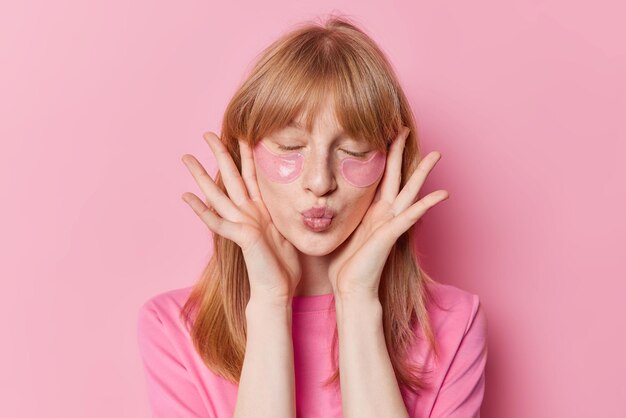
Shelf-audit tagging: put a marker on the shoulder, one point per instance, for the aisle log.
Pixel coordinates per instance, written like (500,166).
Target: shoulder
(169,300)
(456,373)
(451,301)
(454,313)
(160,313)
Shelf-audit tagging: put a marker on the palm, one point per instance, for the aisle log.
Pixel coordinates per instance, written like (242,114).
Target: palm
(360,250)
(241,216)
(356,266)
(259,236)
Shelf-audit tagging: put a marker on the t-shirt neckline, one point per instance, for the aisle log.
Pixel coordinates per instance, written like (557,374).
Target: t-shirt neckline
(312,303)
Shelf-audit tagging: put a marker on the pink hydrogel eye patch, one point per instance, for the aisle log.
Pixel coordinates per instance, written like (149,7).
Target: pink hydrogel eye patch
(361,173)
(279,168)
(286,168)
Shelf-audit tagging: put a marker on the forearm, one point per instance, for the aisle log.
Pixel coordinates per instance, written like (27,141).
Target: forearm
(368,384)
(267,384)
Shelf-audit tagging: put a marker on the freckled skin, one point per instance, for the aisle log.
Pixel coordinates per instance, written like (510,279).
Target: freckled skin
(288,167)
(321,173)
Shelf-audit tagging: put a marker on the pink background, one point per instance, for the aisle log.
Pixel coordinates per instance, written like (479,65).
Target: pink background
(99,100)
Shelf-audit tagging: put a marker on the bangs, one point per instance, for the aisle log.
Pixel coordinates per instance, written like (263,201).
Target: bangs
(298,80)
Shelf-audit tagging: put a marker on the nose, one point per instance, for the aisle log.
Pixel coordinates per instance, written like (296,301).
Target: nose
(318,173)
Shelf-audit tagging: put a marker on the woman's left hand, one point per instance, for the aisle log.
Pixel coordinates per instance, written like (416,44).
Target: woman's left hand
(356,266)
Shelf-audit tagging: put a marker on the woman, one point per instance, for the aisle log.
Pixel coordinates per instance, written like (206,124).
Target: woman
(314,269)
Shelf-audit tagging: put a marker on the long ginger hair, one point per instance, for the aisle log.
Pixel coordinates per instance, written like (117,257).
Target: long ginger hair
(293,76)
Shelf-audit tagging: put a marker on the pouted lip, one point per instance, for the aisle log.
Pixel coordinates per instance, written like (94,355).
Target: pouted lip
(319,212)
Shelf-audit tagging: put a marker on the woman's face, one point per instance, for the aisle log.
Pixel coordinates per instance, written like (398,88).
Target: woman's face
(298,170)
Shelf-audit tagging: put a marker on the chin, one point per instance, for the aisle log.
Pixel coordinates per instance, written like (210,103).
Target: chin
(317,245)
(315,248)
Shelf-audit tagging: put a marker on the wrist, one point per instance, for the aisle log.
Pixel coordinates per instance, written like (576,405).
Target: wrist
(258,305)
(358,306)
(357,298)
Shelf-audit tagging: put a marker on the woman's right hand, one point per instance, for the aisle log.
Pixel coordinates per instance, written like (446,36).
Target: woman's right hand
(271,261)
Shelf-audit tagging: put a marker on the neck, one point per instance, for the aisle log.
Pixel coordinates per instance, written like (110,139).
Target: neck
(314,279)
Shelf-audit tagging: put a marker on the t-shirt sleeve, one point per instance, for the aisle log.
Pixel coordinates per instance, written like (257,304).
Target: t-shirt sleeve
(170,391)
(463,386)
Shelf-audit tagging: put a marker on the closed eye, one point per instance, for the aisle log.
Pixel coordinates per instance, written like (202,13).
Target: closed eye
(354,154)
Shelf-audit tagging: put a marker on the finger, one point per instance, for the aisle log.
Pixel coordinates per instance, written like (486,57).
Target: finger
(212,220)
(401,223)
(391,179)
(235,187)
(248,171)
(409,192)
(215,197)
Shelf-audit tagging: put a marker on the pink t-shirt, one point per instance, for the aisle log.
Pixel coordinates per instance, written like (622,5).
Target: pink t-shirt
(180,385)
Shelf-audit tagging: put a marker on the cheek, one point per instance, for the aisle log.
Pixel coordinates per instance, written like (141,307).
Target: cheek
(274,195)
(278,168)
(361,173)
